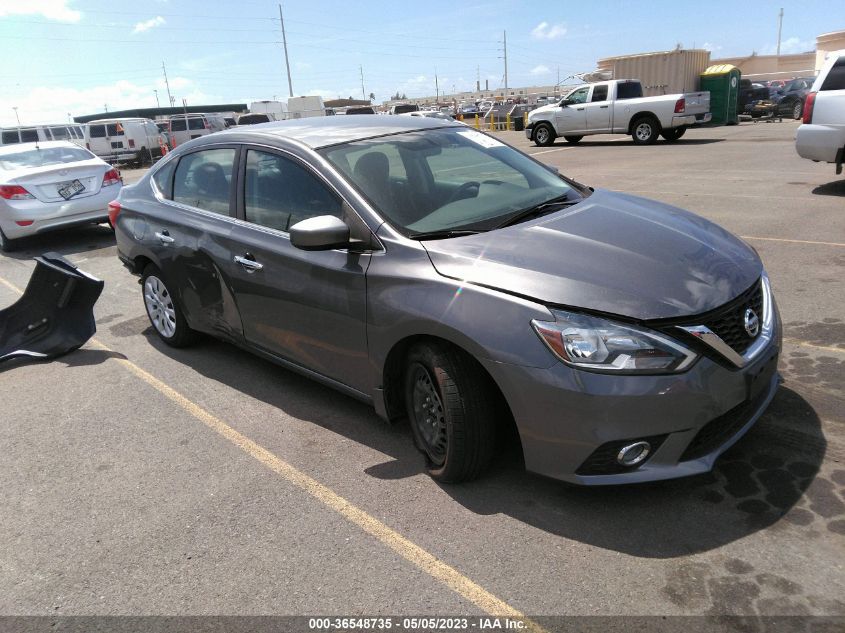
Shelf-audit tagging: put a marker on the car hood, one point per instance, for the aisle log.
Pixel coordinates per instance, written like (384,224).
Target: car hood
(539,112)
(613,253)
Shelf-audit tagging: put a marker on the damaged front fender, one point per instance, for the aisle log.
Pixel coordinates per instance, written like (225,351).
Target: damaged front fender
(55,315)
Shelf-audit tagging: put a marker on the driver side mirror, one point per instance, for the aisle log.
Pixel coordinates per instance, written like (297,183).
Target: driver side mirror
(321,233)
(565,103)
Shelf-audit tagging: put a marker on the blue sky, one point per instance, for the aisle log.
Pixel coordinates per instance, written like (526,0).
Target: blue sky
(77,56)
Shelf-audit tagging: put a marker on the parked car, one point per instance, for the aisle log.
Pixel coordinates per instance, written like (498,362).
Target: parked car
(125,139)
(443,276)
(749,94)
(821,137)
(52,185)
(403,108)
(790,102)
(73,132)
(431,114)
(617,107)
(253,118)
(360,110)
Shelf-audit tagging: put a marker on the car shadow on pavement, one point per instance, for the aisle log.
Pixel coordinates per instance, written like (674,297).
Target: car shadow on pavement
(770,475)
(71,241)
(835,188)
(78,358)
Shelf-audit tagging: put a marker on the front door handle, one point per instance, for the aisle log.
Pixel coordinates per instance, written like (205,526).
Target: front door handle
(248,263)
(164,238)
(603,107)
(579,109)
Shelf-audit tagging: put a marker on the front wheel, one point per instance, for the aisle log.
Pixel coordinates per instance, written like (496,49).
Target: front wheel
(645,130)
(544,135)
(572,140)
(163,311)
(452,411)
(673,134)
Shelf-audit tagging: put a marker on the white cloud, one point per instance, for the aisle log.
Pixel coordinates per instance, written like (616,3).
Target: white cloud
(546,31)
(540,70)
(148,24)
(790,46)
(50,9)
(711,47)
(47,104)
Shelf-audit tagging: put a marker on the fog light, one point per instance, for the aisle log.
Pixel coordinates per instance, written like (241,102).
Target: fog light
(633,454)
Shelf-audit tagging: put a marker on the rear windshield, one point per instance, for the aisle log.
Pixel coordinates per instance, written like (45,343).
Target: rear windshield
(44,157)
(835,79)
(400,109)
(250,119)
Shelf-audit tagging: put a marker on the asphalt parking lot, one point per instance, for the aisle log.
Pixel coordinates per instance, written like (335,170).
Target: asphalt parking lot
(139,479)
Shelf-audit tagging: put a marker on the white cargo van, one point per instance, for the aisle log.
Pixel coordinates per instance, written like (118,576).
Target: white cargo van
(184,127)
(129,139)
(303,107)
(73,132)
(275,110)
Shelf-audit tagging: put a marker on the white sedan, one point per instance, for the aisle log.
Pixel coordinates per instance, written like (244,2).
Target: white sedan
(52,185)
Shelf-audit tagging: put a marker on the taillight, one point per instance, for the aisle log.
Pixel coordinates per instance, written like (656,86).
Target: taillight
(24,222)
(111,177)
(205,123)
(114,211)
(88,146)
(809,102)
(131,143)
(14,192)
(680,105)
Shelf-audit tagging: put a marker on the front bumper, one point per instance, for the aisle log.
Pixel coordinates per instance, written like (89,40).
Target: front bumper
(568,418)
(50,216)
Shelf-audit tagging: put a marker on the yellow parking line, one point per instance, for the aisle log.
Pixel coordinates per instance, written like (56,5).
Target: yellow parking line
(406,548)
(780,239)
(826,348)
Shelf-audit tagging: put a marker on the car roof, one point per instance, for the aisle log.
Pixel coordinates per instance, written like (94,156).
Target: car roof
(317,132)
(13,148)
(119,120)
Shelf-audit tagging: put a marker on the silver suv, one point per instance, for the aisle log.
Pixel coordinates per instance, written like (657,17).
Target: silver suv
(822,135)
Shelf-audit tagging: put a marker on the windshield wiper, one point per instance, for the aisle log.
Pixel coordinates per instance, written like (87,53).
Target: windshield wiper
(444,234)
(538,210)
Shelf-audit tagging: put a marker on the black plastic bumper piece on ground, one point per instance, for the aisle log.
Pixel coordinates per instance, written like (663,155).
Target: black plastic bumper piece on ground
(55,315)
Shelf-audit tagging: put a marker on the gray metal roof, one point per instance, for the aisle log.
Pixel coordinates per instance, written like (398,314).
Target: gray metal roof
(322,131)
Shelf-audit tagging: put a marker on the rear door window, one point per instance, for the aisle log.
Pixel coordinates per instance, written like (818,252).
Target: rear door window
(10,136)
(204,180)
(29,136)
(835,79)
(60,133)
(97,131)
(628,90)
(178,125)
(115,129)
(599,93)
(196,124)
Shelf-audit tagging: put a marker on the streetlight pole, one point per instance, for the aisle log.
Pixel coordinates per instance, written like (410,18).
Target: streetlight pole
(158,105)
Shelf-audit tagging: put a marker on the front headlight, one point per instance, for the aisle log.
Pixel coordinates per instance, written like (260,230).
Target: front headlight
(597,344)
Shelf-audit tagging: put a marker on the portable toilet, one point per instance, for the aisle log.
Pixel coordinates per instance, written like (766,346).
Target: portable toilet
(722,81)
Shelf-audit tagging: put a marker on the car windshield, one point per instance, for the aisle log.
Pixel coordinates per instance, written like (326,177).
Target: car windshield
(44,157)
(446,180)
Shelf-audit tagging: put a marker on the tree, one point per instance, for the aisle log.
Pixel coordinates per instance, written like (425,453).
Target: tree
(372,97)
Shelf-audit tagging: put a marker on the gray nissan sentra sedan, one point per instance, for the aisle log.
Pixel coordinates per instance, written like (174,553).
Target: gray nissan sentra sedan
(443,276)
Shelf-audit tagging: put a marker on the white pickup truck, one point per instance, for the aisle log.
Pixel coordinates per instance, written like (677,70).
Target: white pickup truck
(617,107)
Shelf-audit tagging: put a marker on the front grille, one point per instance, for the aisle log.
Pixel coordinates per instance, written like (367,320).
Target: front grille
(728,322)
(719,430)
(602,461)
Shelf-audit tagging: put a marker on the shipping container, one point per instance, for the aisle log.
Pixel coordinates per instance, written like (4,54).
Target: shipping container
(662,73)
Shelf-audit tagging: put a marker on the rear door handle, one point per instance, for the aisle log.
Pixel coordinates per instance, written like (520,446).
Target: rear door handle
(603,107)
(579,109)
(164,238)
(248,263)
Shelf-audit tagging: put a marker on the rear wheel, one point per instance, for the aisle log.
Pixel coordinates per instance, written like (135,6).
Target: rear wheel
(144,157)
(163,311)
(673,134)
(452,411)
(797,110)
(6,245)
(645,130)
(544,135)
(572,140)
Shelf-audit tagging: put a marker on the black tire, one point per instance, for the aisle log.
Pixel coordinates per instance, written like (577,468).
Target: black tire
(673,134)
(572,140)
(144,157)
(797,110)
(543,135)
(163,310)
(645,130)
(452,410)
(7,245)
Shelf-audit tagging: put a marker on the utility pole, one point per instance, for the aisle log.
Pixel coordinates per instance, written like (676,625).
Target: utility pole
(285,44)
(436,88)
(505,43)
(363,92)
(167,83)
(780,26)
(158,105)
(478,78)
